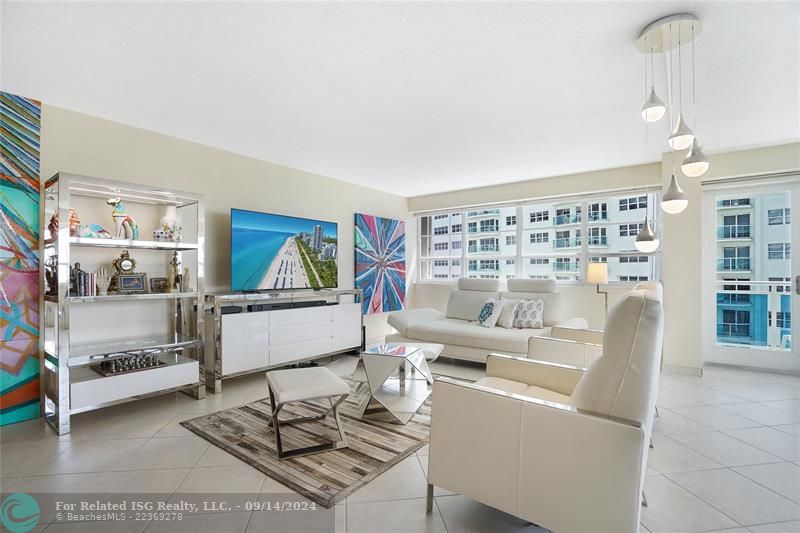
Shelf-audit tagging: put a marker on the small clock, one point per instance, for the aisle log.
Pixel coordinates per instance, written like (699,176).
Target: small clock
(124,264)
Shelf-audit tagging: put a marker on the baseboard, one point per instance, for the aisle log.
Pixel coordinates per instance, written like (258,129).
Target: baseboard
(683,370)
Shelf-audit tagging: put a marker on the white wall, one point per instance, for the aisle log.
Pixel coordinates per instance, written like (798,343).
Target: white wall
(81,144)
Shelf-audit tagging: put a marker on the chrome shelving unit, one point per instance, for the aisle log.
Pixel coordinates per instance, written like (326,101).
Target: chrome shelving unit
(69,385)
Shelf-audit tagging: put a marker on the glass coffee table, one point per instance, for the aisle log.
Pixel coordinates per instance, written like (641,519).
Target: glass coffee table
(399,382)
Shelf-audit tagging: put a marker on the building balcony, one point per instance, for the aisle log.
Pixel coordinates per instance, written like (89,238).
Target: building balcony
(482,213)
(738,203)
(738,331)
(561,220)
(483,229)
(566,267)
(598,216)
(598,241)
(483,249)
(729,264)
(733,232)
(567,243)
(484,269)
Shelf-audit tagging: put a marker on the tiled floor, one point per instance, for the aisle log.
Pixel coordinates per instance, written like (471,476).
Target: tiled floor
(726,458)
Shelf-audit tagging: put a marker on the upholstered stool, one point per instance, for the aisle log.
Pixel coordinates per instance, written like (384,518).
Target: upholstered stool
(302,384)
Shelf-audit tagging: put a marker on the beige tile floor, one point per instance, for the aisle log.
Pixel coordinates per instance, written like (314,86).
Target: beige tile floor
(726,458)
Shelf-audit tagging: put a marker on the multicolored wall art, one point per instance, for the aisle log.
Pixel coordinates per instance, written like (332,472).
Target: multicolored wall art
(381,263)
(20,120)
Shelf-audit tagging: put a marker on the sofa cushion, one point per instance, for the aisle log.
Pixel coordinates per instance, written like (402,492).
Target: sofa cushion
(552,303)
(530,314)
(466,305)
(545,394)
(479,284)
(463,333)
(490,312)
(506,319)
(505,385)
(531,285)
(400,320)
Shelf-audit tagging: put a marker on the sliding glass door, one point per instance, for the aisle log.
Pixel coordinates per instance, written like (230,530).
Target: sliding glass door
(750,277)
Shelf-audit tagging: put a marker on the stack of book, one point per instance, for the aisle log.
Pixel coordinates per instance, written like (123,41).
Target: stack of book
(85,284)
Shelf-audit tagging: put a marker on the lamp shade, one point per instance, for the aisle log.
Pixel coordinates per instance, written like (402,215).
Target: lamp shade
(695,164)
(597,273)
(646,241)
(674,200)
(682,136)
(654,108)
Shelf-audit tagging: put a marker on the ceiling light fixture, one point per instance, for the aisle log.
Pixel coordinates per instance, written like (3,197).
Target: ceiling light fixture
(646,241)
(674,200)
(695,164)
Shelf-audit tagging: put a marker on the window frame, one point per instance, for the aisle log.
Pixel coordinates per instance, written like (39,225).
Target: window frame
(582,253)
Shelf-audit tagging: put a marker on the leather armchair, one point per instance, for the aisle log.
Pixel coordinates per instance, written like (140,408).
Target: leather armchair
(559,446)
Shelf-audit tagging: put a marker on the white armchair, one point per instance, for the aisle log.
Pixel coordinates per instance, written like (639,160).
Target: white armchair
(559,446)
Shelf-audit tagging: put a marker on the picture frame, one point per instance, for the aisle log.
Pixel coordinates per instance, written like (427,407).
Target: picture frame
(158,285)
(132,283)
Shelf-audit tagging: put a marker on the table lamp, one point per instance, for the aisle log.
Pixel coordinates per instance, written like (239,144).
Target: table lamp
(598,274)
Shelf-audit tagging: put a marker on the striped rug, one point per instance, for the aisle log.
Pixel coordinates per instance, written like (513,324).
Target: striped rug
(327,477)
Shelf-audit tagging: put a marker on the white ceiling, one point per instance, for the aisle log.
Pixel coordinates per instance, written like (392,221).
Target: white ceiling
(407,98)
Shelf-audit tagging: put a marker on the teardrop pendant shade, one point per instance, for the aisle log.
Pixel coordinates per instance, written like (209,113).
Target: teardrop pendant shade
(646,241)
(653,110)
(674,200)
(682,136)
(695,164)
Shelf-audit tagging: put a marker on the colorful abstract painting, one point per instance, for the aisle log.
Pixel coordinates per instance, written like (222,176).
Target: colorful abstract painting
(381,263)
(20,122)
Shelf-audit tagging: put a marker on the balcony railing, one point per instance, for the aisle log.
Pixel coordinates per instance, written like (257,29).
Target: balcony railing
(601,240)
(491,228)
(738,202)
(596,216)
(733,330)
(741,231)
(566,267)
(483,212)
(567,243)
(484,268)
(754,314)
(733,263)
(560,220)
(484,249)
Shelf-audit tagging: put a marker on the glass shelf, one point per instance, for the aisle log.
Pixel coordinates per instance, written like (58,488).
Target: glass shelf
(130,297)
(87,374)
(94,352)
(132,244)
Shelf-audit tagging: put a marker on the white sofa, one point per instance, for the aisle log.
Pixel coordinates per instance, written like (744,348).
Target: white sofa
(458,330)
(559,446)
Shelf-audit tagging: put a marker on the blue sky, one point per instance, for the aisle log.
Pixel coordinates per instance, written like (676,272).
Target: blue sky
(282,223)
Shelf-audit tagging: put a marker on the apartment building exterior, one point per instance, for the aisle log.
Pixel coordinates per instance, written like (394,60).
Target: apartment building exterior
(753,236)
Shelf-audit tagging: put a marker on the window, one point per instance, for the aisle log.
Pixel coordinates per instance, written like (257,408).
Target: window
(543,239)
(734,202)
(540,237)
(629,204)
(783,319)
(780,288)
(777,217)
(440,230)
(735,323)
(540,216)
(630,230)
(735,258)
(440,263)
(779,250)
(441,217)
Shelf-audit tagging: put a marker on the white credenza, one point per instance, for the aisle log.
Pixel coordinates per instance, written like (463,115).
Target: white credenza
(253,340)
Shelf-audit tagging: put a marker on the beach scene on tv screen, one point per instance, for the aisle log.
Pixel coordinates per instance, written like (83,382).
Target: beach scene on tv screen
(281,252)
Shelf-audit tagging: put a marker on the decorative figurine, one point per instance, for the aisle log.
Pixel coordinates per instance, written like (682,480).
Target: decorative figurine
(74,221)
(102,280)
(51,275)
(172,273)
(185,287)
(92,231)
(125,226)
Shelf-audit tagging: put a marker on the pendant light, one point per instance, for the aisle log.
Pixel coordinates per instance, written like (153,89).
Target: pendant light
(674,200)
(682,136)
(646,241)
(653,109)
(695,164)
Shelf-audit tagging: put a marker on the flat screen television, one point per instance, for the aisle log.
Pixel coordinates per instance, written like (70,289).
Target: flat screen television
(279,252)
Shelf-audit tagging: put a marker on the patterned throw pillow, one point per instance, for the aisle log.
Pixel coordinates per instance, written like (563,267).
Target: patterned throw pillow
(530,314)
(506,319)
(490,312)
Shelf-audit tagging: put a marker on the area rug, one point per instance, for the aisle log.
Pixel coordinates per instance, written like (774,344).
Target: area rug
(327,477)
